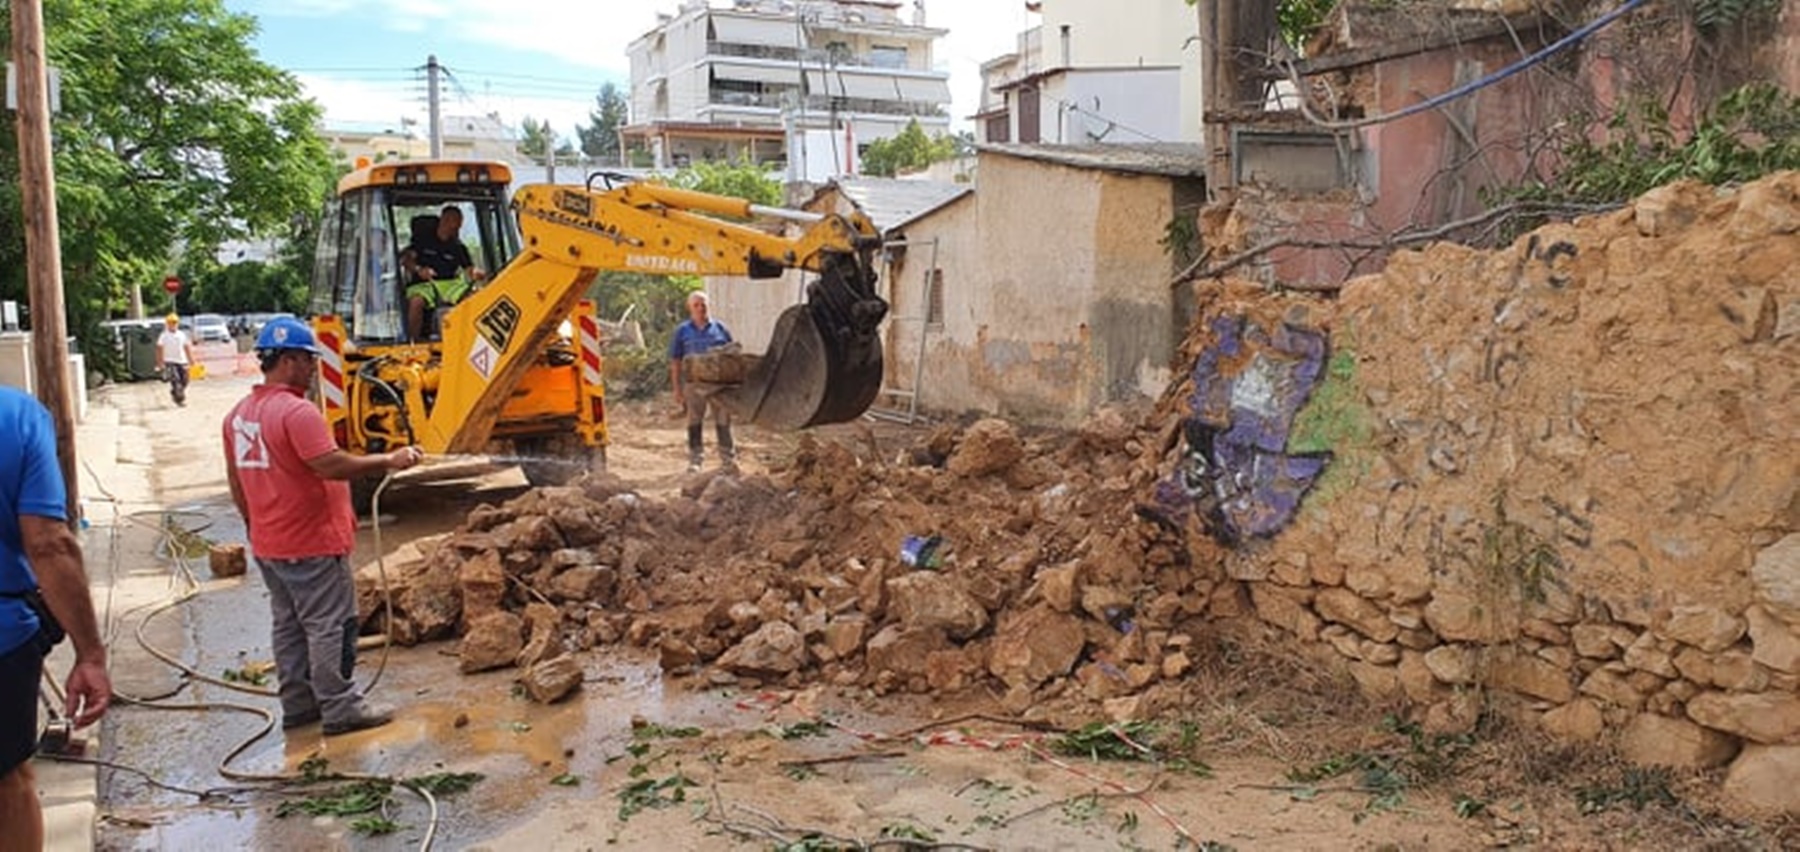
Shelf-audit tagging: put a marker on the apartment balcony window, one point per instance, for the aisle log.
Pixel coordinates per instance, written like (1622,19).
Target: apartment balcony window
(737,93)
(825,103)
(887,57)
(753,51)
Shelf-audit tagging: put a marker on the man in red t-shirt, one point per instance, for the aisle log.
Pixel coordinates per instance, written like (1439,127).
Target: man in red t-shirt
(289,481)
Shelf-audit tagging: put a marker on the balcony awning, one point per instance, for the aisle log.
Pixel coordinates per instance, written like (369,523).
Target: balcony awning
(749,73)
(923,90)
(849,84)
(764,32)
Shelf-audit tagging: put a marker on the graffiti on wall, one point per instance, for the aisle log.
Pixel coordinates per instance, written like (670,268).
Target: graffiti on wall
(1236,473)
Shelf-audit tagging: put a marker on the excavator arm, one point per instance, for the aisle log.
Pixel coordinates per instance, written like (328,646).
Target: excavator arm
(823,365)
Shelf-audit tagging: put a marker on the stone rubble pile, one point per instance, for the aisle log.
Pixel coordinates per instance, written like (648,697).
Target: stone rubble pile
(1557,480)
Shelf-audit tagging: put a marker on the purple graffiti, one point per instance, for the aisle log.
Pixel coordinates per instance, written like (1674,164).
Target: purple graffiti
(1236,473)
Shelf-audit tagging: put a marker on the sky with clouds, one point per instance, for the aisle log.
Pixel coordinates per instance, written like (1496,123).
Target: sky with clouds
(363,60)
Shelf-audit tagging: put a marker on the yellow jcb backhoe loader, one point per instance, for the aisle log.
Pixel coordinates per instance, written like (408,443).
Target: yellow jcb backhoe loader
(499,372)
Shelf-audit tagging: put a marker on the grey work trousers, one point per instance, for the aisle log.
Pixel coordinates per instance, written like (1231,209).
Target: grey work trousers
(699,401)
(313,602)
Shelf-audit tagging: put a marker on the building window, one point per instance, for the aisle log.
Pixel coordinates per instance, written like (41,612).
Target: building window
(934,300)
(1029,121)
(887,57)
(999,128)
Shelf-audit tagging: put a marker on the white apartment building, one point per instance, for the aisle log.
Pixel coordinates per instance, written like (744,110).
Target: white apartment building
(1089,74)
(717,81)
(473,137)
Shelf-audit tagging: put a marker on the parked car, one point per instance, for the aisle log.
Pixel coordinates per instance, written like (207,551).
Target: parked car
(254,322)
(211,328)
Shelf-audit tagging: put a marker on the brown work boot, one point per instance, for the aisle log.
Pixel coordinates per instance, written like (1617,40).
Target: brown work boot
(364,717)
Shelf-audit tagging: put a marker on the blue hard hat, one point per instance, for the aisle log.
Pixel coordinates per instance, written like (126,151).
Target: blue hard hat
(286,333)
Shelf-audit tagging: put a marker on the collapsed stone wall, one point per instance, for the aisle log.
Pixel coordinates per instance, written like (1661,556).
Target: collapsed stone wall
(1567,472)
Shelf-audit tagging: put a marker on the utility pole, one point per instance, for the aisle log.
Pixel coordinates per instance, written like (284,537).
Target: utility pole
(436,133)
(43,250)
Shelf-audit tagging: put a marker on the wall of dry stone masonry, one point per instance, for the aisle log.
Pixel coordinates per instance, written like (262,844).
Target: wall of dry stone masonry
(1565,472)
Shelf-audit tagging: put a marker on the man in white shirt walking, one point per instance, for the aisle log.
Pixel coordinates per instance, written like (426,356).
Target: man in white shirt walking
(174,355)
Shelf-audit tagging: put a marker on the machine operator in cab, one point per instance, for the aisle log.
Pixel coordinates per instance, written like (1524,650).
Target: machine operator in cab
(438,269)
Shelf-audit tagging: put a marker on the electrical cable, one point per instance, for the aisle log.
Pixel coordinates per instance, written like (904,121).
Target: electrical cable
(1579,34)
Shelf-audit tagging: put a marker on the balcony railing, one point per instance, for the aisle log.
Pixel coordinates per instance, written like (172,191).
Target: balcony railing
(813,58)
(822,104)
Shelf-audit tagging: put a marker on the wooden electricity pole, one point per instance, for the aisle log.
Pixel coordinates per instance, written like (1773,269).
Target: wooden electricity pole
(43,249)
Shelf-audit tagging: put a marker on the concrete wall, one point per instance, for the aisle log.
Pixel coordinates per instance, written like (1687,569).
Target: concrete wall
(1071,309)
(1158,34)
(945,381)
(1056,296)
(1131,105)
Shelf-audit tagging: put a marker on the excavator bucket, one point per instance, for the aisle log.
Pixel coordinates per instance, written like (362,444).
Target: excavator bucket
(823,364)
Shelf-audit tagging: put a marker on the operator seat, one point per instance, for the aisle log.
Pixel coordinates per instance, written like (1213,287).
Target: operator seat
(422,229)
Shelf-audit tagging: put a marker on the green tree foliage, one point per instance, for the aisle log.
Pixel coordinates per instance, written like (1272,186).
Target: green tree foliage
(1748,133)
(536,140)
(909,151)
(738,180)
(173,134)
(1300,19)
(600,136)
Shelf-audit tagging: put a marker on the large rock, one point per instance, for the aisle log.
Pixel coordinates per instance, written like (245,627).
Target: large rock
(1765,780)
(988,447)
(1705,627)
(1612,688)
(1459,617)
(543,625)
(532,532)
(844,635)
(927,600)
(552,680)
(1452,664)
(493,640)
(1775,643)
(1286,608)
(483,582)
(1578,721)
(584,583)
(1763,717)
(1531,675)
(1346,607)
(1036,645)
(1776,576)
(421,584)
(776,648)
(905,653)
(1652,740)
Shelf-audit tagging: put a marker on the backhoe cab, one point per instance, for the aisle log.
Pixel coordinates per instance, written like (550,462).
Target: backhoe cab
(514,366)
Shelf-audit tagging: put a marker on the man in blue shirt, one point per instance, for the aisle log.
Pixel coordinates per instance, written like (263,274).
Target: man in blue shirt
(37,550)
(697,334)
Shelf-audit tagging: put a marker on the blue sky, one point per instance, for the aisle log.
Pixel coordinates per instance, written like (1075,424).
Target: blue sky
(361,59)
